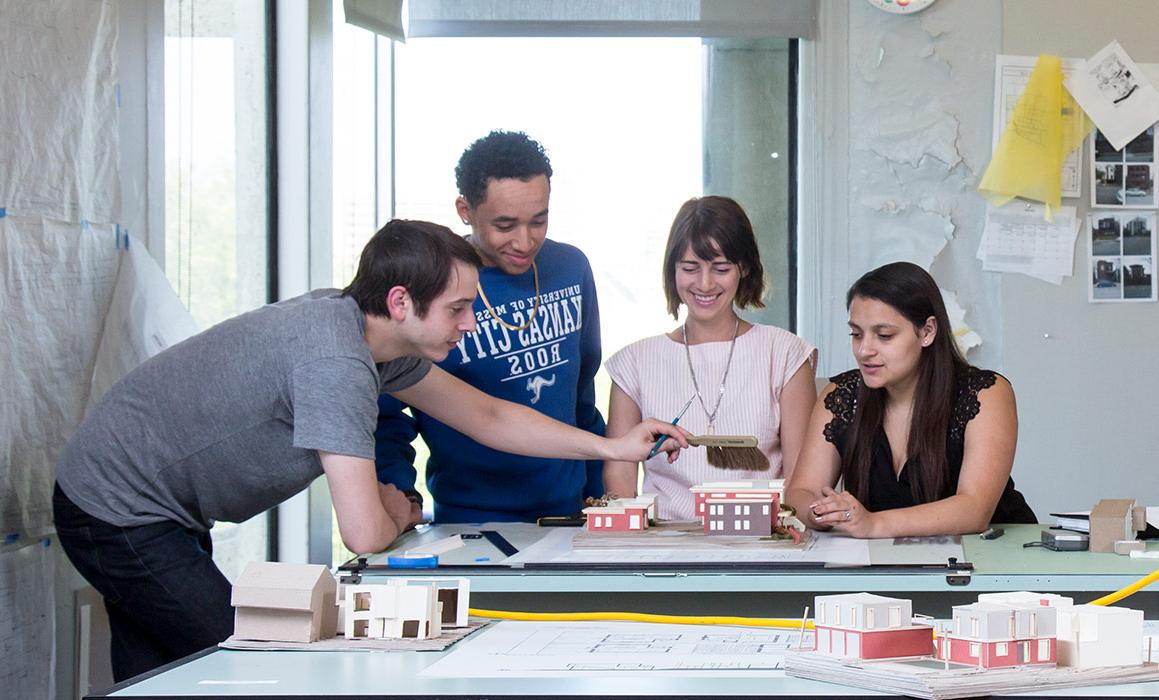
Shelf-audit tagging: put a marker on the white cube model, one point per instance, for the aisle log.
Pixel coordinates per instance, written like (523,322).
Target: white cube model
(1052,600)
(1101,636)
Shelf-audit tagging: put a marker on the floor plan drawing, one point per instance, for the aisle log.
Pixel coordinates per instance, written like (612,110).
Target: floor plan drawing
(577,648)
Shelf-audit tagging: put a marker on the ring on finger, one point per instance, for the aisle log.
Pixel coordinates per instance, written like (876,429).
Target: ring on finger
(849,515)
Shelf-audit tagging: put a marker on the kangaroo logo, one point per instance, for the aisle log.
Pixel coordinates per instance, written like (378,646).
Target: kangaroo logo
(536,384)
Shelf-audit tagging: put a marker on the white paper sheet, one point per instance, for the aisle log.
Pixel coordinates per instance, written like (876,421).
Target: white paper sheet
(59,137)
(1012,73)
(27,652)
(1115,94)
(556,548)
(1017,238)
(564,649)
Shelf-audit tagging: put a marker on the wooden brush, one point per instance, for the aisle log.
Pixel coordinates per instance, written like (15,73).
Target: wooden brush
(732,452)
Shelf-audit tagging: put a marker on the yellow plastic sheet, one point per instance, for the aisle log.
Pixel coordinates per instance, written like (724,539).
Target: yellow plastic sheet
(1047,125)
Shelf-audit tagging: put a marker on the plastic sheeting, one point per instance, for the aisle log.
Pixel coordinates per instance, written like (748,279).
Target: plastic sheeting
(58,125)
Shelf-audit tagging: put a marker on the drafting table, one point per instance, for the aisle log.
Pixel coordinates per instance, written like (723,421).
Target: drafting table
(997,565)
(272,674)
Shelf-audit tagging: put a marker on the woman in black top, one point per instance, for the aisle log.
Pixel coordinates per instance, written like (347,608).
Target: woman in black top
(924,441)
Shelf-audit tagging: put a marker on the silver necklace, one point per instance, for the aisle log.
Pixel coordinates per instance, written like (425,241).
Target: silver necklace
(724,377)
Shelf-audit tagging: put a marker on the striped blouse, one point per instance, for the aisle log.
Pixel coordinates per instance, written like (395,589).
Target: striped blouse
(654,373)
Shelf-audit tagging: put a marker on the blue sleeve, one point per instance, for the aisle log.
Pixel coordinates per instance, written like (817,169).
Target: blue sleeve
(587,415)
(393,455)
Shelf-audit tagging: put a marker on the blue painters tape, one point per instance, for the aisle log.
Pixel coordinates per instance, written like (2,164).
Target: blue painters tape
(85,225)
(11,537)
(117,236)
(47,542)
(126,239)
(3,212)
(412,561)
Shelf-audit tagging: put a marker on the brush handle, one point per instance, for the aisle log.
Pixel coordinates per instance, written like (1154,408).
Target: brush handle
(656,448)
(723,441)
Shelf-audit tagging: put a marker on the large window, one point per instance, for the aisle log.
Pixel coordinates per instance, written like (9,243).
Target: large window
(633,126)
(216,202)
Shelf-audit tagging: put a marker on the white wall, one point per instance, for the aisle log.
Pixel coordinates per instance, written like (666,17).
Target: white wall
(903,109)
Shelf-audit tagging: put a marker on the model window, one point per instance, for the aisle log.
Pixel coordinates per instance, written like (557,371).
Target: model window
(1043,650)
(1001,648)
(895,616)
(764,510)
(1033,624)
(837,614)
(973,627)
(869,618)
(975,649)
(820,613)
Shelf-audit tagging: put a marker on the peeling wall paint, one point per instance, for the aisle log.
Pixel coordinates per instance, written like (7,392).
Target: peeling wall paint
(920,104)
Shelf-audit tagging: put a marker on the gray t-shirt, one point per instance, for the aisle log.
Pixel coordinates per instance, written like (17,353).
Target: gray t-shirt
(229,422)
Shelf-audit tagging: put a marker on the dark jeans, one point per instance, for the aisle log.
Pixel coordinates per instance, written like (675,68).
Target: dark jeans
(165,597)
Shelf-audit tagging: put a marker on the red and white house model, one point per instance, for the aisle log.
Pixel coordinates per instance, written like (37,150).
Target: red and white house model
(621,514)
(997,635)
(868,626)
(759,491)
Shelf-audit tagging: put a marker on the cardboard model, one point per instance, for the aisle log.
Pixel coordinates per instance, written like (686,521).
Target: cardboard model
(1112,520)
(868,626)
(281,602)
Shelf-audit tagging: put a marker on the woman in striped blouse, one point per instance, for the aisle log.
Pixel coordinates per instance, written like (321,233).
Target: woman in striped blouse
(742,378)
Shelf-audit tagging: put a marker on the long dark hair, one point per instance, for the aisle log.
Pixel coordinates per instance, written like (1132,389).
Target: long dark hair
(913,293)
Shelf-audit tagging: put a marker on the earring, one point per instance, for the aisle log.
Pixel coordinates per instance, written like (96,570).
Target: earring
(465,221)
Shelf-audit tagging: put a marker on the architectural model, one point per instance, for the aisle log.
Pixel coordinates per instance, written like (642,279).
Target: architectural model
(1115,521)
(621,514)
(280,602)
(996,634)
(1000,630)
(746,508)
(868,626)
(408,608)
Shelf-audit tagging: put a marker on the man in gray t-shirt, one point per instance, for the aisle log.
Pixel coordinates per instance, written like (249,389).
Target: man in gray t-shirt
(238,418)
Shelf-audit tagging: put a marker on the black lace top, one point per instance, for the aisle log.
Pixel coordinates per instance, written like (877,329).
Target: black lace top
(887,490)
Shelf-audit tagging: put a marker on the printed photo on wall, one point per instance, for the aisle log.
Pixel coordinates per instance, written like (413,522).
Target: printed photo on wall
(1123,178)
(1122,256)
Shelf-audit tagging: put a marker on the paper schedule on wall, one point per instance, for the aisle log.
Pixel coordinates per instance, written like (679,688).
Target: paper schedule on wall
(1017,238)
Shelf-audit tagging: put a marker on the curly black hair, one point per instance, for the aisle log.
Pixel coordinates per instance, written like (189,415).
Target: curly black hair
(499,155)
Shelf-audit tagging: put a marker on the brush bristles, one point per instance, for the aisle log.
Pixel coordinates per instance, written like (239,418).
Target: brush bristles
(748,459)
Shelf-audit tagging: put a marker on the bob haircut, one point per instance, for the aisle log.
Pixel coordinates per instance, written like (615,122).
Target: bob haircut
(914,294)
(499,155)
(417,255)
(715,226)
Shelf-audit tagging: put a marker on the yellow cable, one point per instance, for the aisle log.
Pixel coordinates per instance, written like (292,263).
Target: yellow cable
(1128,590)
(644,617)
(734,620)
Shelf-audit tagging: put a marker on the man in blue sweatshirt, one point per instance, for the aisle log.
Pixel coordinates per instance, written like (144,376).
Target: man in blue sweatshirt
(537,343)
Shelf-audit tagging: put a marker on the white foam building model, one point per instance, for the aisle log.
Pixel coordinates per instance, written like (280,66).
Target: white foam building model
(404,608)
(868,626)
(1053,600)
(1101,635)
(281,602)
(1001,634)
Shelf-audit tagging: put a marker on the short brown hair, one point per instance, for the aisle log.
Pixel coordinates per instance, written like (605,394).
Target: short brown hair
(416,255)
(714,226)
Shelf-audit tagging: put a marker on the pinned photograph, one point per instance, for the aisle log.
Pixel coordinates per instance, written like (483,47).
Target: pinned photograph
(1138,284)
(1138,235)
(1104,151)
(1106,279)
(1122,256)
(1108,185)
(1139,186)
(1141,149)
(1106,236)
(1115,94)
